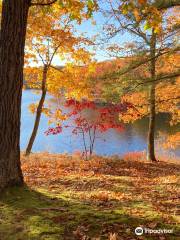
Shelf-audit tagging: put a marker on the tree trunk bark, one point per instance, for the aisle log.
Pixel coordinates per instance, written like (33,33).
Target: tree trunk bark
(12,42)
(152,114)
(152,122)
(38,112)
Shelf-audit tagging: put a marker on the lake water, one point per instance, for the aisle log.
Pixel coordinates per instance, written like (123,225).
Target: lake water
(132,139)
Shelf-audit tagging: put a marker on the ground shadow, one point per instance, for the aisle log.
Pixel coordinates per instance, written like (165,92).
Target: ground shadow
(26,214)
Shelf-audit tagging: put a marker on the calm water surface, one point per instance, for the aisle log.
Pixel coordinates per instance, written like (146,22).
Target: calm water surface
(132,139)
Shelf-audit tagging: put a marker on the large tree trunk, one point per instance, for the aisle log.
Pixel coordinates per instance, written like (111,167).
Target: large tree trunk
(38,112)
(12,40)
(152,114)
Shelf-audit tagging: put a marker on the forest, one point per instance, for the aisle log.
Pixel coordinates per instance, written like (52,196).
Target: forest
(89,119)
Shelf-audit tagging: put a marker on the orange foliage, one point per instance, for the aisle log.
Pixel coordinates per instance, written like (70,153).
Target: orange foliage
(172,141)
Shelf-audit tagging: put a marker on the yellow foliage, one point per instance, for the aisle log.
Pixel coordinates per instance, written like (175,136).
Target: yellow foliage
(33,108)
(172,141)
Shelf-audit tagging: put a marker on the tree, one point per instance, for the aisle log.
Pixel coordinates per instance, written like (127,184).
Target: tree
(13,32)
(155,37)
(45,40)
(104,118)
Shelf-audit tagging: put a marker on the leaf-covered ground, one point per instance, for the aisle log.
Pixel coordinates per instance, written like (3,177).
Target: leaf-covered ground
(66,198)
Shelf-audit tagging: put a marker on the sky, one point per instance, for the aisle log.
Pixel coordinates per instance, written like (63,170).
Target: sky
(89,29)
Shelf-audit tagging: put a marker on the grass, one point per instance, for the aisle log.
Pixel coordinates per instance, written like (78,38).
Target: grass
(66,198)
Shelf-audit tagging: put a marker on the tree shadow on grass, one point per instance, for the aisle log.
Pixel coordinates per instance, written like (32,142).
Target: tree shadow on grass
(26,214)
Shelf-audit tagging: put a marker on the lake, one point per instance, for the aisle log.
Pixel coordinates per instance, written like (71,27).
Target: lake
(132,139)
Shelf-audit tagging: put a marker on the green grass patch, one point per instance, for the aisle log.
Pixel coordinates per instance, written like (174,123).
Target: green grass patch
(86,205)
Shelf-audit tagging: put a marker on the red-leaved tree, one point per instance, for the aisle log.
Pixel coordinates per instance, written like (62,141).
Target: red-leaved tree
(88,119)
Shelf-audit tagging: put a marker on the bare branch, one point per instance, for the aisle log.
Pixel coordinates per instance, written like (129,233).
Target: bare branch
(39,54)
(55,50)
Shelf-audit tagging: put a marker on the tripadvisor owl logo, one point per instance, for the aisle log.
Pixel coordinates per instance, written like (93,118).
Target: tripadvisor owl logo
(139,231)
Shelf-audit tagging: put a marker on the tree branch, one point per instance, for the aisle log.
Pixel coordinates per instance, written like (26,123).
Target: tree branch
(133,66)
(57,68)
